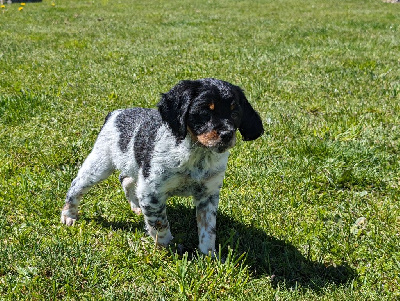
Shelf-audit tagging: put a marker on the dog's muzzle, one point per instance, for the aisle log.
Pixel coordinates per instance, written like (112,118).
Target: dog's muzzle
(217,141)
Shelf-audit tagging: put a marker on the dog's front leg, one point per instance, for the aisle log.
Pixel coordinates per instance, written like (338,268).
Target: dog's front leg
(206,214)
(155,216)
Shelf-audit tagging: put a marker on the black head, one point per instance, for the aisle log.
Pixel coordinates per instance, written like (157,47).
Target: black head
(211,111)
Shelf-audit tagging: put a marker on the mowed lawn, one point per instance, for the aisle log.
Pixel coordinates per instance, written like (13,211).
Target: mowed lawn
(310,211)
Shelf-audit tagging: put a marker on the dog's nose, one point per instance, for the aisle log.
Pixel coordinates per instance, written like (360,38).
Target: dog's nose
(226,136)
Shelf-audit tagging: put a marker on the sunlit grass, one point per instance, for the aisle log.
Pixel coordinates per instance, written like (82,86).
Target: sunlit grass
(308,212)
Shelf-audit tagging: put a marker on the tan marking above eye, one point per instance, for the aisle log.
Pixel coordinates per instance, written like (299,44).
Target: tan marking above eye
(233,106)
(212,106)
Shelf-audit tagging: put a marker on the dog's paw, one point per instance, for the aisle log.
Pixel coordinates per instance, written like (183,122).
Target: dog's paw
(68,220)
(136,210)
(69,214)
(164,240)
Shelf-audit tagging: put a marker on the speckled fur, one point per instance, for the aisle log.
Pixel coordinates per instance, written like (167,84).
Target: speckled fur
(180,149)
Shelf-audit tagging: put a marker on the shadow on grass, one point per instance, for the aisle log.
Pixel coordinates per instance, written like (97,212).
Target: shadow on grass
(266,255)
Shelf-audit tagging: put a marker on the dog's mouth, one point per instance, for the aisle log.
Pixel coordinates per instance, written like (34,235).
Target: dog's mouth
(217,141)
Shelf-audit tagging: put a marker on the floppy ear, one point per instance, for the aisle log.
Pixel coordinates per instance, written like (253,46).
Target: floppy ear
(174,106)
(251,126)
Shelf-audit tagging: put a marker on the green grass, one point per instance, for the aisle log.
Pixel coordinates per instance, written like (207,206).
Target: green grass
(325,77)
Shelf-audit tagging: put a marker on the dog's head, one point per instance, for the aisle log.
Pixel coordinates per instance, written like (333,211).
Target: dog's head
(211,111)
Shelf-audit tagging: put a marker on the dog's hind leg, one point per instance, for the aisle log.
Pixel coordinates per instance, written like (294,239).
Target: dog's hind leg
(97,167)
(129,186)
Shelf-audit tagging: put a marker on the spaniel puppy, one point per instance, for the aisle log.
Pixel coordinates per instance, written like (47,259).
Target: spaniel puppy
(180,149)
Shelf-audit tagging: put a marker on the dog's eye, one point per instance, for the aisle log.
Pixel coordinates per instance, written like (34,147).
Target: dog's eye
(235,115)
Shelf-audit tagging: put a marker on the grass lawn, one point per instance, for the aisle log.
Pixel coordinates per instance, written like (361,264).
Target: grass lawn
(310,211)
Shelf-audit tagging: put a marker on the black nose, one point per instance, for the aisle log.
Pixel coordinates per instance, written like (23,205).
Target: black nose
(226,136)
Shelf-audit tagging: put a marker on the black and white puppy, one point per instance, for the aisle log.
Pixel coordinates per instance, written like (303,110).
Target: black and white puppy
(180,149)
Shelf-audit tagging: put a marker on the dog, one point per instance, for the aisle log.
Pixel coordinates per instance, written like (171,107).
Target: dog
(181,149)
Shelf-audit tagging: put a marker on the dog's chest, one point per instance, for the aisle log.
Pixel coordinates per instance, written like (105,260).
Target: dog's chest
(195,179)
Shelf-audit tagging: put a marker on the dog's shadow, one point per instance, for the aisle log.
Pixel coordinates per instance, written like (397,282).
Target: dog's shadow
(266,256)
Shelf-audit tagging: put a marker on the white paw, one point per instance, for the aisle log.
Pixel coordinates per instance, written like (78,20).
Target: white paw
(208,250)
(136,210)
(164,240)
(67,220)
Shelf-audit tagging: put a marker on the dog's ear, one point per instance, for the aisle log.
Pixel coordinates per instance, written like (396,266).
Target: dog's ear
(174,106)
(251,126)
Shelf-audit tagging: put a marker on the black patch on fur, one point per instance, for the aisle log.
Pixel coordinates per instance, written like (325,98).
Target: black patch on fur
(151,211)
(213,231)
(126,123)
(145,140)
(210,200)
(121,178)
(146,122)
(154,200)
(202,205)
(159,224)
(70,200)
(251,126)
(174,106)
(199,191)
